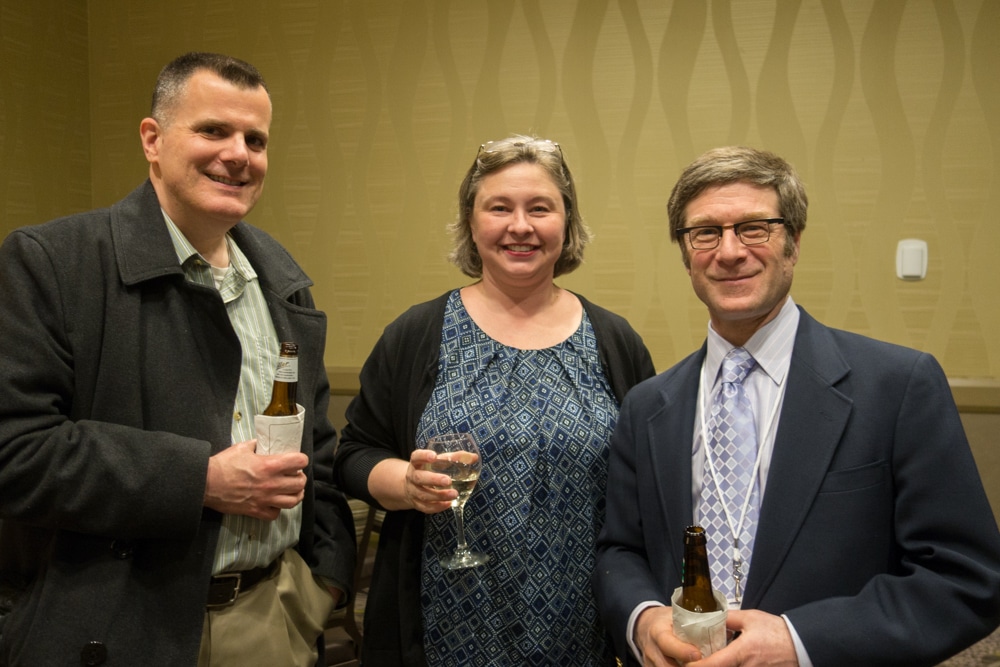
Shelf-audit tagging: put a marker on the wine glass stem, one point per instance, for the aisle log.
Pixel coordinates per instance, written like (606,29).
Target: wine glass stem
(460,523)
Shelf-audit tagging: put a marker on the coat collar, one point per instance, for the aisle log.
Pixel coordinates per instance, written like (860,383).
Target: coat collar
(813,418)
(144,251)
(670,433)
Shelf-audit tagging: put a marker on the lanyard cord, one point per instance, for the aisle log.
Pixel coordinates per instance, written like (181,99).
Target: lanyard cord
(735,528)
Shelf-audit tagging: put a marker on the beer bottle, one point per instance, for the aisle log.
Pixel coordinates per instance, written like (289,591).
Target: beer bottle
(696,579)
(286,379)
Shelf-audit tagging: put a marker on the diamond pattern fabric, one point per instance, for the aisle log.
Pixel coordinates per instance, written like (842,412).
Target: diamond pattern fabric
(543,420)
(733,444)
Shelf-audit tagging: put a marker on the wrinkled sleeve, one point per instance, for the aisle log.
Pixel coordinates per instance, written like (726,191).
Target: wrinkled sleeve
(369,438)
(56,470)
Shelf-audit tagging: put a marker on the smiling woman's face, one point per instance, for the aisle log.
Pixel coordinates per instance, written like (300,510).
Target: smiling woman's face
(519,225)
(743,286)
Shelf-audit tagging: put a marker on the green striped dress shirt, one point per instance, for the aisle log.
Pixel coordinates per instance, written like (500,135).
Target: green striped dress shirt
(244,542)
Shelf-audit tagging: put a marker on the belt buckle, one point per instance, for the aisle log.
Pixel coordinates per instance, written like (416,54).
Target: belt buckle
(220,599)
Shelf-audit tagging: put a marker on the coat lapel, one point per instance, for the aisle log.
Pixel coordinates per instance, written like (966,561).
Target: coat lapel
(813,417)
(670,435)
(143,248)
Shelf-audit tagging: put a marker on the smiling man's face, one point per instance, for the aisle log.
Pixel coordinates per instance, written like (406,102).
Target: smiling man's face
(743,286)
(208,157)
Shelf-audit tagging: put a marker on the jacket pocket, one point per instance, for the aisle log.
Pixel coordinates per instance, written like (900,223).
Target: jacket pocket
(856,479)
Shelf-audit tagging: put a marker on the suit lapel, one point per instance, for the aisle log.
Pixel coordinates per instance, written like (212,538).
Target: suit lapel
(669,433)
(813,417)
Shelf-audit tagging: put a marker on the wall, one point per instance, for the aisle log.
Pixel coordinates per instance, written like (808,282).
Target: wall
(982,430)
(44,114)
(889,108)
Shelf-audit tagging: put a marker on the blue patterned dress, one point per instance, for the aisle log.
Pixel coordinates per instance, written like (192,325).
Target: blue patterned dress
(543,420)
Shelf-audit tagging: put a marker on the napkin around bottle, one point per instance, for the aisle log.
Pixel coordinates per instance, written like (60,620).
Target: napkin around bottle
(707,631)
(280,435)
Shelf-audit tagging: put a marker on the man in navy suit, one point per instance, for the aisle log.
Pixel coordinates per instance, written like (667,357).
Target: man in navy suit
(875,543)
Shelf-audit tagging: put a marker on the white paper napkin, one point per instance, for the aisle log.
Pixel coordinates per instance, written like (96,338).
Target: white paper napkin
(278,435)
(707,631)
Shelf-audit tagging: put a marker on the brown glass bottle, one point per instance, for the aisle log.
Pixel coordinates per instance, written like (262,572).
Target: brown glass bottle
(286,380)
(696,578)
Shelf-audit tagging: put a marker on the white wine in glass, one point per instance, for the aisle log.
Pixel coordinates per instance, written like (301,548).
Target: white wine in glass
(458,457)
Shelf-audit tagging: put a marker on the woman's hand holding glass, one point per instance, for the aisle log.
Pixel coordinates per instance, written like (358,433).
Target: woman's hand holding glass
(458,458)
(427,491)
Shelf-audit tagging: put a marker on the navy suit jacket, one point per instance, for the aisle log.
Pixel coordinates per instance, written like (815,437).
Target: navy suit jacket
(875,538)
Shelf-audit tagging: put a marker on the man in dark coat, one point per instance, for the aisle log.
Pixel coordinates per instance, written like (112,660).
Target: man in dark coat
(139,526)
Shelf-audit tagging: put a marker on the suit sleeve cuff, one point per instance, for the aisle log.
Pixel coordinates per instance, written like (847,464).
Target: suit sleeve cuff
(630,629)
(800,649)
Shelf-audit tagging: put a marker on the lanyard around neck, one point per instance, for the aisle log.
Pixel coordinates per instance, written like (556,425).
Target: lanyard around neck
(736,528)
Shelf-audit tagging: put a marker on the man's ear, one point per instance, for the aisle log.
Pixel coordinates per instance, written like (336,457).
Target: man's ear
(795,253)
(149,133)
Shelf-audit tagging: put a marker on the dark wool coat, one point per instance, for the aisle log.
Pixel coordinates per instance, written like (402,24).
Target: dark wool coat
(118,380)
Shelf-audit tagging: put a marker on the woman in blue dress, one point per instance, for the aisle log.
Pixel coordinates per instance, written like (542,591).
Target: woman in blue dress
(536,374)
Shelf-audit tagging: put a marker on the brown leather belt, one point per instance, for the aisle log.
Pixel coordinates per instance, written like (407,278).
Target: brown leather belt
(224,588)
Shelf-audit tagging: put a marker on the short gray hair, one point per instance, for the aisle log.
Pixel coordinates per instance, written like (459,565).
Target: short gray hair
(174,77)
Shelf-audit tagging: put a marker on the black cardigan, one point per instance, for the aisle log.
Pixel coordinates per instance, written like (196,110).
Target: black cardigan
(396,383)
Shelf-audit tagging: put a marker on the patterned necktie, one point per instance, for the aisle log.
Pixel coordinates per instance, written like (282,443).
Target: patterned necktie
(733,442)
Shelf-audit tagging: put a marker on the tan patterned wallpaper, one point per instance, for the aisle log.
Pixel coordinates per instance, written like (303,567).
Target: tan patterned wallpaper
(45,150)
(889,108)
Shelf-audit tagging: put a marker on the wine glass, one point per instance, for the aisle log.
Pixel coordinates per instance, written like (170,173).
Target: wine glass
(458,457)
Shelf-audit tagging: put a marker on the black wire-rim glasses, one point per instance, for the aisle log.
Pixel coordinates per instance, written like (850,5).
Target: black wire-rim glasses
(749,232)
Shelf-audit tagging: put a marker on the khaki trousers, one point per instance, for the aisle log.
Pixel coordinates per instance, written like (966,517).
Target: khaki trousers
(277,622)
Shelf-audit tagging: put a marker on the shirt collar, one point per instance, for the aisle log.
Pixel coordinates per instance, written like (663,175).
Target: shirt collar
(187,253)
(771,345)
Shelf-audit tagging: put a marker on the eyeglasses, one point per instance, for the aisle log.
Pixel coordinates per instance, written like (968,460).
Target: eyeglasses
(546,145)
(749,232)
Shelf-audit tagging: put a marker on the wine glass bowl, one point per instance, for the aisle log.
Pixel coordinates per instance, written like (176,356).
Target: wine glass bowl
(458,457)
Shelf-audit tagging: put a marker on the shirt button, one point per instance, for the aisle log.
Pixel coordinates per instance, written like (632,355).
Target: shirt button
(122,549)
(237,416)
